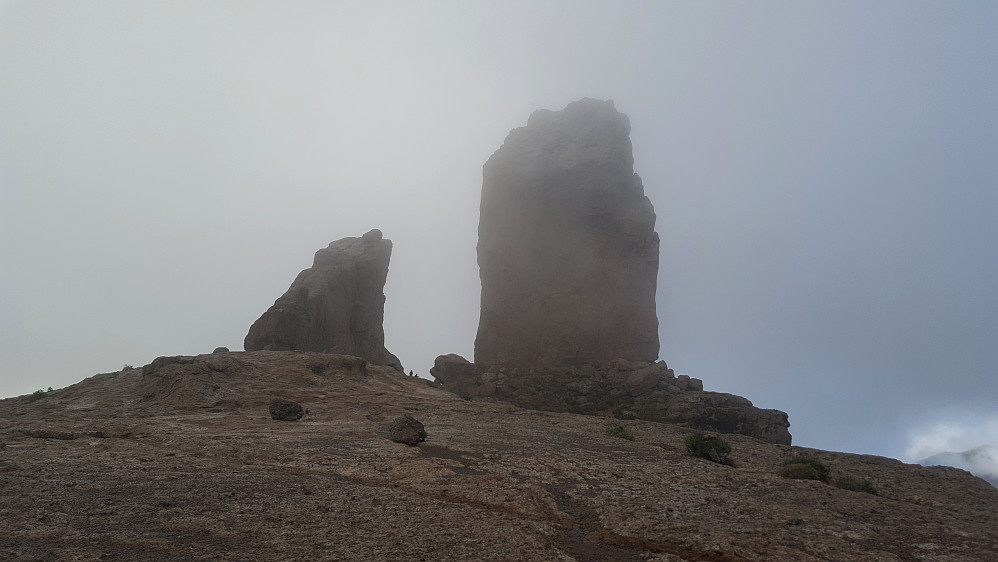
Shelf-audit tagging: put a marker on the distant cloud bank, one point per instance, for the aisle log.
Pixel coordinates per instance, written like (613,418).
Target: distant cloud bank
(968,444)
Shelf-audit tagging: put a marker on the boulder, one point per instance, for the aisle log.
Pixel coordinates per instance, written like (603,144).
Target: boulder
(221,350)
(453,369)
(567,248)
(408,430)
(286,410)
(335,306)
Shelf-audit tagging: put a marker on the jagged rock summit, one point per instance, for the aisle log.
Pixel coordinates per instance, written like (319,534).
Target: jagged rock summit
(335,306)
(567,246)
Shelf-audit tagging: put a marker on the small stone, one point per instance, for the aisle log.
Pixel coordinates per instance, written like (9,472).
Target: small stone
(408,430)
(286,410)
(221,350)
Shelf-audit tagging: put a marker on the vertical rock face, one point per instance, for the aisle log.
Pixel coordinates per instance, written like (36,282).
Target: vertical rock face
(567,248)
(335,306)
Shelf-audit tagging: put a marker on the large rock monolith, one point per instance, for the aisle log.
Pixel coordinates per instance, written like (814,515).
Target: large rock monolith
(568,257)
(567,248)
(335,306)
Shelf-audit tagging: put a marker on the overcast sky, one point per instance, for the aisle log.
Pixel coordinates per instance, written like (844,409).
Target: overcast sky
(825,176)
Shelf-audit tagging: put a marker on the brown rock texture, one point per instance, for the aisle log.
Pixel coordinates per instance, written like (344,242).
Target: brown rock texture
(567,248)
(286,410)
(623,389)
(335,306)
(182,462)
(407,430)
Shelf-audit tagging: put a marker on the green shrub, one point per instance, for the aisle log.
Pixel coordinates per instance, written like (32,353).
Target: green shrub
(36,395)
(804,468)
(798,471)
(423,435)
(710,447)
(854,484)
(619,431)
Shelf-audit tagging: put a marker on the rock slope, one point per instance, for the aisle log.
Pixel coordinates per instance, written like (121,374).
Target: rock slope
(335,306)
(181,461)
(567,248)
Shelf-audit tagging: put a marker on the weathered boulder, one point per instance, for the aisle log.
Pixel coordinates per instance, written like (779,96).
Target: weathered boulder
(221,350)
(453,369)
(406,429)
(286,410)
(567,248)
(335,306)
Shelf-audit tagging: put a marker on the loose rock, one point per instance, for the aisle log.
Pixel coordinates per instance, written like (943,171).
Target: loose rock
(286,410)
(408,430)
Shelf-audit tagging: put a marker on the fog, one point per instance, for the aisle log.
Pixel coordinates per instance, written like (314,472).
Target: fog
(825,176)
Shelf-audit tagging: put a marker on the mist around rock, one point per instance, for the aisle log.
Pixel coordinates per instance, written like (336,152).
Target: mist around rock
(981,461)
(567,438)
(569,259)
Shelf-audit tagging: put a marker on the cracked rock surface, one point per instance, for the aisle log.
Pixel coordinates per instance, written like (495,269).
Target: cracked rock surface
(181,461)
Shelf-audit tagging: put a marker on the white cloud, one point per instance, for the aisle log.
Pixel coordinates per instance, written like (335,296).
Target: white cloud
(970,444)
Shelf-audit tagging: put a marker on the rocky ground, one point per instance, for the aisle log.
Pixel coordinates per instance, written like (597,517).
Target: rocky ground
(181,460)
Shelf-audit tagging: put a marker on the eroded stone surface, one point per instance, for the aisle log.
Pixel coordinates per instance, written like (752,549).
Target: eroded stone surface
(567,248)
(335,306)
(184,463)
(623,389)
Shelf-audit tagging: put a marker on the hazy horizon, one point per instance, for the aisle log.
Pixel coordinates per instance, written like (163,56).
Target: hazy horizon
(825,176)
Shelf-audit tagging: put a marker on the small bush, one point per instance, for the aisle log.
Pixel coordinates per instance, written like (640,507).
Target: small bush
(710,447)
(804,468)
(619,431)
(854,484)
(798,471)
(423,435)
(36,395)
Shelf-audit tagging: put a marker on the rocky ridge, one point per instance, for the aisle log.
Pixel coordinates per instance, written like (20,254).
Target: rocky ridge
(182,461)
(624,390)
